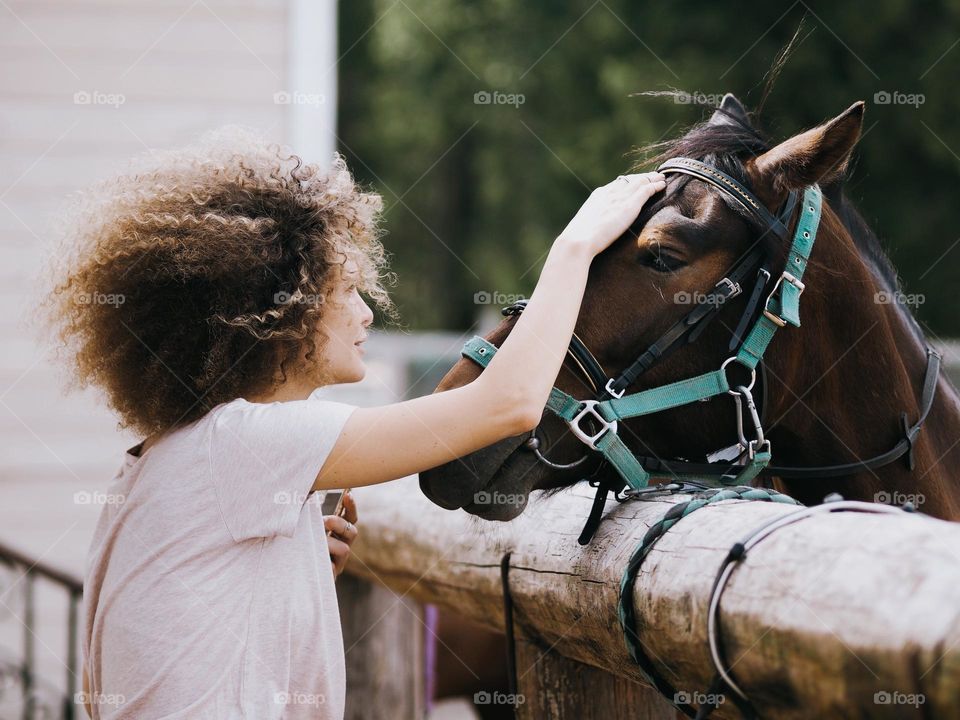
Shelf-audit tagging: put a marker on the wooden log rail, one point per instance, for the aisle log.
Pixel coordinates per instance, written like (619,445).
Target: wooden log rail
(840,615)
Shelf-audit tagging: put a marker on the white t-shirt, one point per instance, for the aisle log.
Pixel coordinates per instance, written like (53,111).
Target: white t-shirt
(209,591)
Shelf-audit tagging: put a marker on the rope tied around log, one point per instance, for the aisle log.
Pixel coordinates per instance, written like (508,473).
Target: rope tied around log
(626,609)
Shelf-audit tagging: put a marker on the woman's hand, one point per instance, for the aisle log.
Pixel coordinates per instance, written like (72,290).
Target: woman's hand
(341,533)
(609,211)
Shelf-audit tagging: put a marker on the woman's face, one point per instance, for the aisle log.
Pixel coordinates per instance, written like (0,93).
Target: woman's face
(343,325)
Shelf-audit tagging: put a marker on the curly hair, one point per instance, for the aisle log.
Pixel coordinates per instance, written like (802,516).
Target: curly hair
(199,275)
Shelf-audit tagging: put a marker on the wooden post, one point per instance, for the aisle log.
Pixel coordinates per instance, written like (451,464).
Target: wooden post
(383,642)
(552,687)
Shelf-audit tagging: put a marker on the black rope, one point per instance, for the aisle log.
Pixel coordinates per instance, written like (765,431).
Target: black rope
(508,625)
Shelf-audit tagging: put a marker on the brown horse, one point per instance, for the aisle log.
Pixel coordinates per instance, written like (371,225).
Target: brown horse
(833,390)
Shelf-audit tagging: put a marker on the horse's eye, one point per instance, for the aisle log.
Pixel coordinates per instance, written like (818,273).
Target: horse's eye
(660,260)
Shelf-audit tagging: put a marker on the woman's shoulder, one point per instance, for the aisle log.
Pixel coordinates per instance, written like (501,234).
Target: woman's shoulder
(241,419)
(177,436)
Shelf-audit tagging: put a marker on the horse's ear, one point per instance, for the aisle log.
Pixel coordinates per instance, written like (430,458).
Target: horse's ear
(817,155)
(730,112)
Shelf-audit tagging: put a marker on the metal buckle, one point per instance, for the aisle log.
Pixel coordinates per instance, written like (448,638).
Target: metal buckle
(776,319)
(589,408)
(613,392)
(733,288)
(514,309)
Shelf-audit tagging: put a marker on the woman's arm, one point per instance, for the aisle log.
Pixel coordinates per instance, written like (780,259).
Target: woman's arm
(391,441)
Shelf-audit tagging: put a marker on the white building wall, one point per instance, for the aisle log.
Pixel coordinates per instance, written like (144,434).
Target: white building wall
(87,84)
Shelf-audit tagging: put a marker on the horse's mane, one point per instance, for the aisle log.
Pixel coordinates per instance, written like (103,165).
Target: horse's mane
(863,236)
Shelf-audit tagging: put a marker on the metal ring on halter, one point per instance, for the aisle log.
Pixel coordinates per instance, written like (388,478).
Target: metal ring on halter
(753,375)
(535,448)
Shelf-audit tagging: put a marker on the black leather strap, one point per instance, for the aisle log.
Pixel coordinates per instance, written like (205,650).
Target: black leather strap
(577,349)
(596,513)
(692,324)
(735,190)
(508,624)
(763,277)
(588,363)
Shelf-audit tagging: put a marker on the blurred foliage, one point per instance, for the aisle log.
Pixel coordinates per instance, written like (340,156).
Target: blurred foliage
(475,193)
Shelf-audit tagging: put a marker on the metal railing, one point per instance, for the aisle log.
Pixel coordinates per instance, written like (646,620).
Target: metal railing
(23,671)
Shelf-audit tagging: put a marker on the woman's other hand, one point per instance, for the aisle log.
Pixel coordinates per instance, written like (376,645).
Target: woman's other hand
(342,531)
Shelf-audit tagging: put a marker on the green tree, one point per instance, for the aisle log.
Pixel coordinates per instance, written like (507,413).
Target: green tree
(476,192)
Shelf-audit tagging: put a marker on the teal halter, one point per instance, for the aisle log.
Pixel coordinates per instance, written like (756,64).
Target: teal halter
(782,307)
(745,460)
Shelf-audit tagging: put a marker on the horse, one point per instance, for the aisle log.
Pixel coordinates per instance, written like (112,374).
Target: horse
(852,382)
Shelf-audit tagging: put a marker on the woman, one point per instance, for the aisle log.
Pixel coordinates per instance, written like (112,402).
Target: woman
(210,294)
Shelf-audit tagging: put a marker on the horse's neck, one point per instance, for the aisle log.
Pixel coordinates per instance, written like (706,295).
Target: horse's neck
(849,373)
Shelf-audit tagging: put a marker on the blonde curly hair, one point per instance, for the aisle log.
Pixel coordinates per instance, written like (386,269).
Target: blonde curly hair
(199,275)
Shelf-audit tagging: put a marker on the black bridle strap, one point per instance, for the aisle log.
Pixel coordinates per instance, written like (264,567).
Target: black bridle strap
(692,323)
(588,363)
(577,349)
(596,510)
(763,277)
(657,466)
(734,189)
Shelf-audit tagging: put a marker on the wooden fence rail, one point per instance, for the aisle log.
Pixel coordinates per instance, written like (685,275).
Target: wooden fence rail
(841,615)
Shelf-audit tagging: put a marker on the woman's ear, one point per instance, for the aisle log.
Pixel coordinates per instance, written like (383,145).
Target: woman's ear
(814,156)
